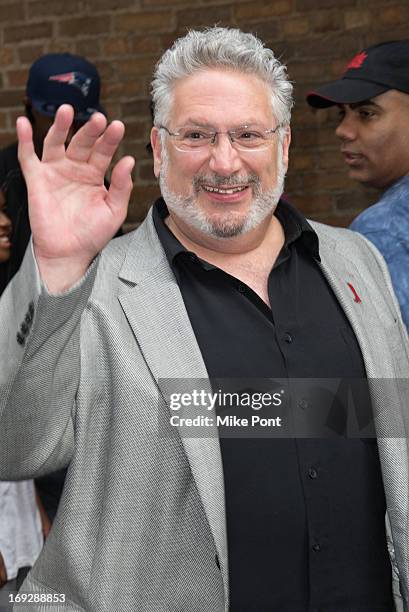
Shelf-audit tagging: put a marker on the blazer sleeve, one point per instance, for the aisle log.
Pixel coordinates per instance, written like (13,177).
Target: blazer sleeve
(39,372)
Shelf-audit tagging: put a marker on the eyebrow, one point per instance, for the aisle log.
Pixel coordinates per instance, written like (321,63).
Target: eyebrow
(203,124)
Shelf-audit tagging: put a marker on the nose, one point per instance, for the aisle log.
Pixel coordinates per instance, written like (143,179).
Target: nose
(346,129)
(224,159)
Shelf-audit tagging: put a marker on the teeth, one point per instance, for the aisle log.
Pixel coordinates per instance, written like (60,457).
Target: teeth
(4,239)
(224,191)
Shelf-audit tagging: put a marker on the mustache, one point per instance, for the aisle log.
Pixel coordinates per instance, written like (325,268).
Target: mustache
(216,180)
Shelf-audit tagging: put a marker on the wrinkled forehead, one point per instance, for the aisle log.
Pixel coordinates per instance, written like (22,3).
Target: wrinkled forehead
(221,97)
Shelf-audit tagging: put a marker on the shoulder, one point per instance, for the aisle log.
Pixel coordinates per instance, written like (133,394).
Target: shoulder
(350,245)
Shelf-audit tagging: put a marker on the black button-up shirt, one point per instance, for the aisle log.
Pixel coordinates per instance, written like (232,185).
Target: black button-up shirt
(305,517)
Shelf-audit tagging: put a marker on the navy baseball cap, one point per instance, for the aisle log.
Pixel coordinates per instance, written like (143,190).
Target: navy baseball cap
(370,73)
(62,78)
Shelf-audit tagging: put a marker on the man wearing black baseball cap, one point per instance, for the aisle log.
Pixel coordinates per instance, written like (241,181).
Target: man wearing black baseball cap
(373,97)
(53,79)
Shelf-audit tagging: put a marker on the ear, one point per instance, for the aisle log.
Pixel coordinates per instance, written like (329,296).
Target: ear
(157,151)
(286,146)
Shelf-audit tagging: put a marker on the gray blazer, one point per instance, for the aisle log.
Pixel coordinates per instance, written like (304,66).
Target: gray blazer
(141,525)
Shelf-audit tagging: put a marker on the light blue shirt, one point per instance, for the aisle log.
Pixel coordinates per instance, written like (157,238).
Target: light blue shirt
(386,225)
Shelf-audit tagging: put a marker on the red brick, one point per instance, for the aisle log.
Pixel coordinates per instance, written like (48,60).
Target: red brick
(106,70)
(7,138)
(315,5)
(301,161)
(11,97)
(142,22)
(146,44)
(296,27)
(29,53)
(98,6)
(331,160)
(6,56)
(124,89)
(53,8)
(83,26)
(115,46)
(12,12)
(327,21)
(171,3)
(357,19)
(17,78)
(13,114)
(313,137)
(336,220)
(137,149)
(324,180)
(143,196)
(145,171)
(61,46)
(393,16)
(28,32)
(356,199)
(200,17)
(136,66)
(311,204)
(136,108)
(3,120)
(301,71)
(137,130)
(88,47)
(250,11)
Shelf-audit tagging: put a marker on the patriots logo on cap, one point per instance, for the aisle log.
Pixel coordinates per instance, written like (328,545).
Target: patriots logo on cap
(357,61)
(76,79)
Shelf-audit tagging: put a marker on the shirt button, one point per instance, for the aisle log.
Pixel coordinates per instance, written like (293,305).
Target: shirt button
(303,404)
(316,547)
(241,288)
(312,473)
(288,337)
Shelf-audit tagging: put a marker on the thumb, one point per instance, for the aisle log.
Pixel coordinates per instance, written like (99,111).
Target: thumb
(121,185)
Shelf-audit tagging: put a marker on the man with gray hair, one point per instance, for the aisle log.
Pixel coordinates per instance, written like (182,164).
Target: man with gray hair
(110,347)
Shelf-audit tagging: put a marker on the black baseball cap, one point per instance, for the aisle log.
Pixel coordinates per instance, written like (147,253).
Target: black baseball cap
(62,78)
(370,73)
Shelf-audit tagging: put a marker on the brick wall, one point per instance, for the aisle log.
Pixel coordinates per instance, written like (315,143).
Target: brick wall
(125,37)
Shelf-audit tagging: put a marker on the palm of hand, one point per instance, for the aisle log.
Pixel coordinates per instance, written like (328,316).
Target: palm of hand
(69,212)
(72,214)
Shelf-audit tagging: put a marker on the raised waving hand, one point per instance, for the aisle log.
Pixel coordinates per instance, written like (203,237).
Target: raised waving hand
(72,215)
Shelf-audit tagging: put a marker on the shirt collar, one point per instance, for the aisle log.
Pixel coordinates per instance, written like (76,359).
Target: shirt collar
(295,225)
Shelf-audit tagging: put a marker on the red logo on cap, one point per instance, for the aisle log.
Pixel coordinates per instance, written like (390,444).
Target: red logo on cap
(357,61)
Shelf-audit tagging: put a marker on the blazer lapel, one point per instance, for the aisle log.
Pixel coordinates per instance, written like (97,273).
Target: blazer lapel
(387,393)
(155,310)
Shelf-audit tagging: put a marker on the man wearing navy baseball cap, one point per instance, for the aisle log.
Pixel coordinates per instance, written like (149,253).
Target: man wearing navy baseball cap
(53,79)
(373,97)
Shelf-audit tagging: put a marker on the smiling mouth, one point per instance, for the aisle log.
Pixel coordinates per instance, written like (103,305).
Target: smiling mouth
(226,191)
(5,241)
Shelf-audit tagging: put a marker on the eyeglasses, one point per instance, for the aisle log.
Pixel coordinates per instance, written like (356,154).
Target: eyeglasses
(191,138)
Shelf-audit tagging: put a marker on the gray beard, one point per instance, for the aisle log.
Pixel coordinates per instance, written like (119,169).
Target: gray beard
(230,225)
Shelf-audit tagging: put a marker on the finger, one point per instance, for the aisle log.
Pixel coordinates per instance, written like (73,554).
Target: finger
(26,153)
(106,146)
(82,142)
(54,142)
(121,186)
